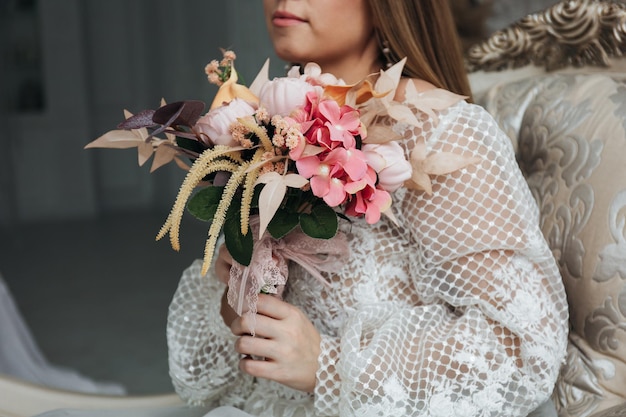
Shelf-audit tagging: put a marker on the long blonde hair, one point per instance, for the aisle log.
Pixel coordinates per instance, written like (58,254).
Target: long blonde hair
(424,32)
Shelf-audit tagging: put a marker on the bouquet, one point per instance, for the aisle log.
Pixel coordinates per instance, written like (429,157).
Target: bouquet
(282,161)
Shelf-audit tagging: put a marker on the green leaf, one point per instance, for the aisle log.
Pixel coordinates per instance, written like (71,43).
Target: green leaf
(204,203)
(321,223)
(189,144)
(239,245)
(282,223)
(255,196)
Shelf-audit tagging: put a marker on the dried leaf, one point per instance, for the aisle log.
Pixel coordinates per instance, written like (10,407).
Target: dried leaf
(163,155)
(446,162)
(420,181)
(144,152)
(184,166)
(261,78)
(380,134)
(116,139)
(439,98)
(389,214)
(389,80)
(270,199)
(418,154)
(295,180)
(402,114)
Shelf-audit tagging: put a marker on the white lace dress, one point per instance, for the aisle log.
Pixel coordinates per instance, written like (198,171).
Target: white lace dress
(458,311)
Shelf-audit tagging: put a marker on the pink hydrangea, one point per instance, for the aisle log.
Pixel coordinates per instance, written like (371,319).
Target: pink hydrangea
(329,125)
(332,174)
(370,202)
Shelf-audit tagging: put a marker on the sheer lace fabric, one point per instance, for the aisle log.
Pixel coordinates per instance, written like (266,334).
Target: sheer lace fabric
(458,310)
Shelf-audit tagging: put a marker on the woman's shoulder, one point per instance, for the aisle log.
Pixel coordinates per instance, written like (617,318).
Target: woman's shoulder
(410,89)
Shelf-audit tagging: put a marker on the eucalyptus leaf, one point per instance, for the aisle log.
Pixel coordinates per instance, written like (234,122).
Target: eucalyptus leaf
(239,245)
(189,144)
(321,223)
(282,223)
(139,120)
(184,113)
(203,204)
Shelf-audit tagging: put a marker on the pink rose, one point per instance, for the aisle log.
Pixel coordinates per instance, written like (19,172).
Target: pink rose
(281,96)
(389,162)
(216,123)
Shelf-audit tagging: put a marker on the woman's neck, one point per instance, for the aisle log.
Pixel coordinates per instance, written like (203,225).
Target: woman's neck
(354,68)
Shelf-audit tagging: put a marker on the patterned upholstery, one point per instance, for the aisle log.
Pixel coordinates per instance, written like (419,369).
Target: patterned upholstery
(555,82)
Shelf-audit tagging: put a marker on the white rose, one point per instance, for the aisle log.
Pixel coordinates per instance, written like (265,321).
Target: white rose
(281,96)
(313,75)
(389,162)
(216,123)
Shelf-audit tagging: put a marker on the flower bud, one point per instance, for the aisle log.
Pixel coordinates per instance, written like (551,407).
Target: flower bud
(390,164)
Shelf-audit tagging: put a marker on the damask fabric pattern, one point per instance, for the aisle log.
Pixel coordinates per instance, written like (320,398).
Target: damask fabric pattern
(570,130)
(458,310)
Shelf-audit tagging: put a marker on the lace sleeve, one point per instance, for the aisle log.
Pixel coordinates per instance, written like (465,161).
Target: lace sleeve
(488,334)
(202,360)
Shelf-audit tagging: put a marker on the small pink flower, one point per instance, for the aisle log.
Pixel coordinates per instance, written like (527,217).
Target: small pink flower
(212,67)
(215,125)
(325,179)
(371,202)
(343,122)
(389,162)
(329,125)
(333,174)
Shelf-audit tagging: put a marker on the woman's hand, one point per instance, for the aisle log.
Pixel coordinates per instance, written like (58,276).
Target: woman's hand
(287,340)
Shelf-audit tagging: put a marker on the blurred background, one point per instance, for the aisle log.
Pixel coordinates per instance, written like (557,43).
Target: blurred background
(77,226)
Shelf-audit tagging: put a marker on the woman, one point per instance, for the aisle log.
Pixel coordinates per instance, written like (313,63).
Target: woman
(458,310)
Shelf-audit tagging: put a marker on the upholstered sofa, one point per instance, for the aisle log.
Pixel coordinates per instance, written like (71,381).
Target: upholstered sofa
(556,83)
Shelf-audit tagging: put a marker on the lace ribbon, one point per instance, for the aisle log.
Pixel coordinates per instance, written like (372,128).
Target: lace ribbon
(268,269)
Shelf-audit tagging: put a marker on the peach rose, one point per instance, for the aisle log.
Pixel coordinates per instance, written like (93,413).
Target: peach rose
(216,123)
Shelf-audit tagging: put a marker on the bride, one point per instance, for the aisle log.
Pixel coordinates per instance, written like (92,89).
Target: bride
(459,310)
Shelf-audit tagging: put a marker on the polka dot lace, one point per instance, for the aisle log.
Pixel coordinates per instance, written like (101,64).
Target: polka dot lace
(458,310)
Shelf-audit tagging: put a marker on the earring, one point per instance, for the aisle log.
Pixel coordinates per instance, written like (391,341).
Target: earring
(387,54)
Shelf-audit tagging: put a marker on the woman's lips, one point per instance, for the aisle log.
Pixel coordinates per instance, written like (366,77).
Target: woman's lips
(284,19)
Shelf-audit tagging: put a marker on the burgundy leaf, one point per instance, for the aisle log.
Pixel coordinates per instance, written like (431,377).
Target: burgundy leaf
(183,113)
(139,120)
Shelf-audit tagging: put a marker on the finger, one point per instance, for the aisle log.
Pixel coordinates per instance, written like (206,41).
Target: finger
(271,306)
(258,368)
(263,326)
(256,346)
